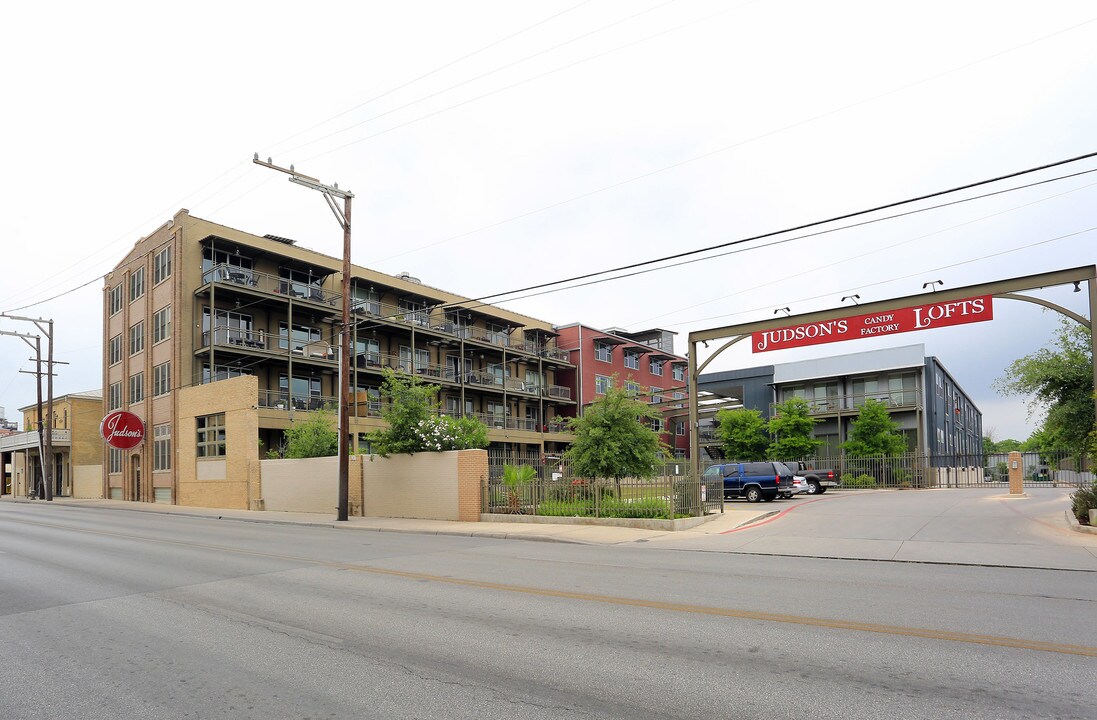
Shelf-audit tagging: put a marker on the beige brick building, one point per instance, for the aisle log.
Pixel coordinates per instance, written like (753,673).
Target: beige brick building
(219,340)
(77,449)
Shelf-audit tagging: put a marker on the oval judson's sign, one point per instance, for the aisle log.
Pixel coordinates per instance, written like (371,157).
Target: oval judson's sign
(122,430)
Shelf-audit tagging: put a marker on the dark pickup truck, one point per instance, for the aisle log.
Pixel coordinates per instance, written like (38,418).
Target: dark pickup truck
(818,480)
(753,480)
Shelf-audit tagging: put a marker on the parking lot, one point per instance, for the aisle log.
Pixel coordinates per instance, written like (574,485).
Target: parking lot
(982,526)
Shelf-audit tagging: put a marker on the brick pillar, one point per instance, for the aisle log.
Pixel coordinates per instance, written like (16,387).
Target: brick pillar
(1016,474)
(472,473)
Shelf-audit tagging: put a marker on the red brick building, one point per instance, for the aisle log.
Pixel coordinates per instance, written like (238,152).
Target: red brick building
(642,362)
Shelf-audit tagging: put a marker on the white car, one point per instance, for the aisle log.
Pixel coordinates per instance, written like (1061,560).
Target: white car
(799,485)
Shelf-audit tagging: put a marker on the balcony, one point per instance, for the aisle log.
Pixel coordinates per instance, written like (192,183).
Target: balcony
(282,400)
(894,400)
(496,421)
(422,319)
(249,341)
(29,440)
(238,277)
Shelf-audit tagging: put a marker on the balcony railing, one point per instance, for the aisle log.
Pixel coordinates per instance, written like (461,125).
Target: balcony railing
(234,337)
(29,439)
(264,282)
(425,319)
(497,421)
(282,400)
(893,399)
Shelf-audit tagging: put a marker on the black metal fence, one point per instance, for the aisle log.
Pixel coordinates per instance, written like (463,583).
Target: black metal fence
(556,491)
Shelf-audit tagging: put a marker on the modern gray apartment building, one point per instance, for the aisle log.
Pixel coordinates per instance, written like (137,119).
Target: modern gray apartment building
(934,413)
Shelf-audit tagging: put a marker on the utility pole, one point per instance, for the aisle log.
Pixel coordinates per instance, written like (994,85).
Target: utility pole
(46,328)
(37,347)
(330,192)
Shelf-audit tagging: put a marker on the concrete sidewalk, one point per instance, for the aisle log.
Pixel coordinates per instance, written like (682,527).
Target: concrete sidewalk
(735,515)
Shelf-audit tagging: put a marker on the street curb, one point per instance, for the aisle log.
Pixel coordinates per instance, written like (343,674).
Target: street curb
(1077,526)
(333,524)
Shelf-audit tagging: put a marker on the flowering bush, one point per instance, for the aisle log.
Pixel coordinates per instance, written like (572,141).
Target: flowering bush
(415,422)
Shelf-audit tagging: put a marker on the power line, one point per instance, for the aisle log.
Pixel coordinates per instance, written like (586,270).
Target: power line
(696,158)
(795,228)
(481,77)
(915,274)
(425,75)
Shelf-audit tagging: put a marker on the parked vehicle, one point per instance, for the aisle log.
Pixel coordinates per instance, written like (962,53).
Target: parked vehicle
(754,481)
(799,485)
(818,480)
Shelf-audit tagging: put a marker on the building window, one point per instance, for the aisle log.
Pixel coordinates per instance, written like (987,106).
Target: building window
(230,327)
(367,353)
(225,262)
(632,389)
(116,298)
(137,387)
(415,313)
(365,300)
(161,265)
(161,447)
(603,352)
(137,338)
(632,360)
(115,462)
(655,367)
(137,283)
(161,324)
(602,384)
(303,393)
(498,334)
(114,396)
(115,352)
(211,435)
(222,372)
(305,339)
(161,379)
(680,428)
(678,372)
(657,424)
(655,396)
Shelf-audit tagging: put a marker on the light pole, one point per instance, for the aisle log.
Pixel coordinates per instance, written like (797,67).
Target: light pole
(330,192)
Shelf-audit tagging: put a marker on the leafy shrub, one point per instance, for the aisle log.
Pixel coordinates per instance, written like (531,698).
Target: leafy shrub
(1082,501)
(566,508)
(578,489)
(860,481)
(643,508)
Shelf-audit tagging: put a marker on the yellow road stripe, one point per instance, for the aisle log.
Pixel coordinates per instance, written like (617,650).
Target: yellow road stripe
(897,630)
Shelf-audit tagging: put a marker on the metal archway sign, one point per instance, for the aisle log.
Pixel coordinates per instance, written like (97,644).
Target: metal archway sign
(971,303)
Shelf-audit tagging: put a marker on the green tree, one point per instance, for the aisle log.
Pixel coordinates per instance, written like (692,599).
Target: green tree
(1058,380)
(990,445)
(614,439)
(791,427)
(874,433)
(315,436)
(742,433)
(415,423)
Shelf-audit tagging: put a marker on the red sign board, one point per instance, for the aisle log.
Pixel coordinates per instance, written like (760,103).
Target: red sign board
(122,430)
(921,317)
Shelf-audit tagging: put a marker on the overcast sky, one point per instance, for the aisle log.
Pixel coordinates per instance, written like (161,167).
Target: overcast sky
(497,145)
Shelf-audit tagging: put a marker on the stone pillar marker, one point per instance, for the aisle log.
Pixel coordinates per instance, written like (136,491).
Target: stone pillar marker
(1016,474)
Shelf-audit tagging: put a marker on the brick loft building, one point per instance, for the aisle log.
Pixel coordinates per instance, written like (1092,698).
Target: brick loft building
(219,340)
(643,362)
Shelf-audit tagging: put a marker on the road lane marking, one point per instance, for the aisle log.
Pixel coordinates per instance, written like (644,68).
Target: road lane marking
(894,630)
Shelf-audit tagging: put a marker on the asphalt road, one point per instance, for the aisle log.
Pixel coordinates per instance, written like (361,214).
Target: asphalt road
(114,614)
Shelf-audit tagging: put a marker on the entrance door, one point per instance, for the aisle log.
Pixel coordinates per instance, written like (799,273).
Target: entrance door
(59,474)
(135,474)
